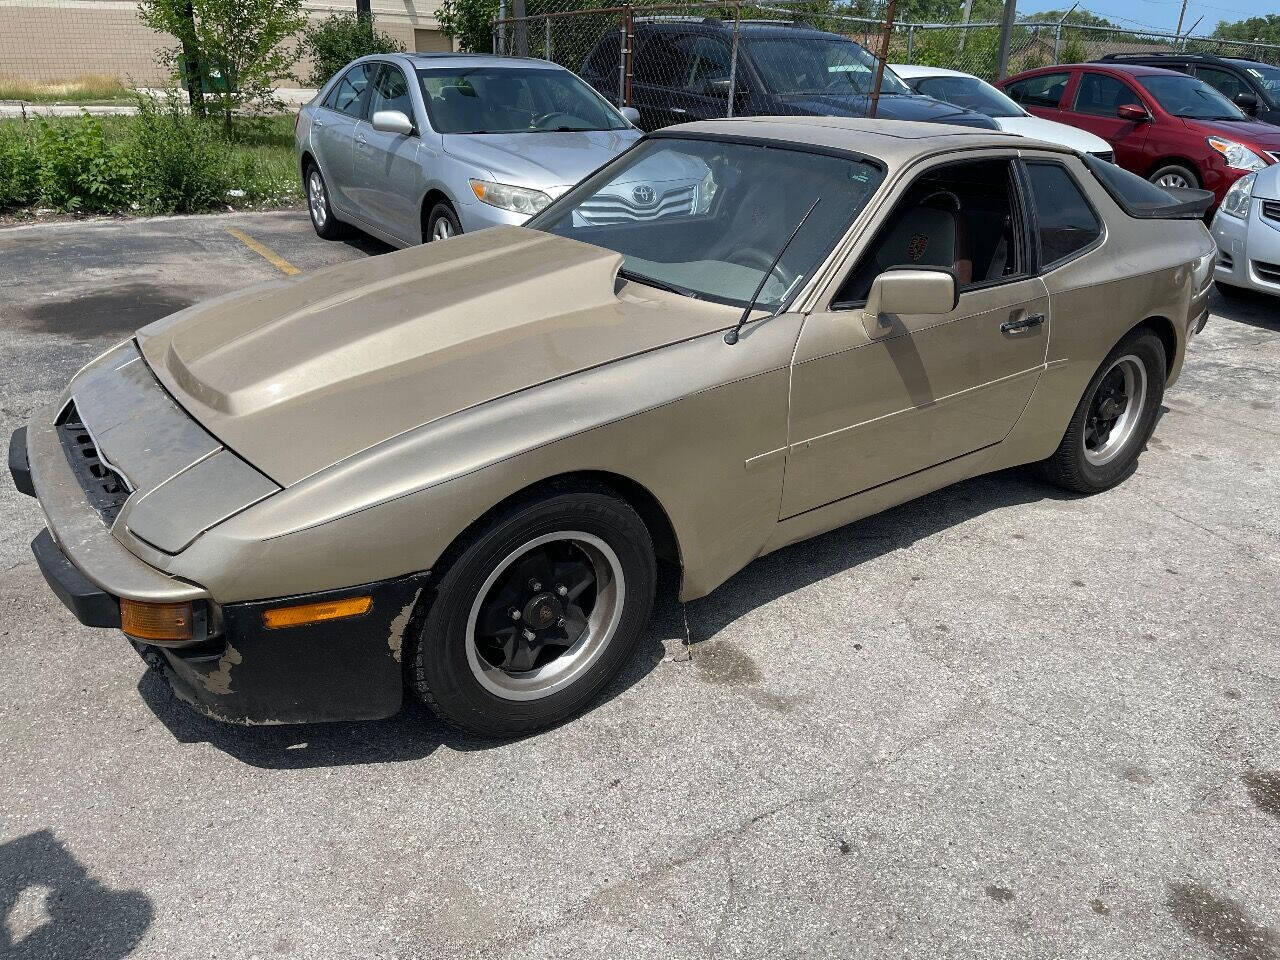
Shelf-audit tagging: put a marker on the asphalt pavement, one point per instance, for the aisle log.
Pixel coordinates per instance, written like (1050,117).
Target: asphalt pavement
(998,721)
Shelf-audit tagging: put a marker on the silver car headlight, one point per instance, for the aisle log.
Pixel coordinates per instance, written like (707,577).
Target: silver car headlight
(1239,198)
(1237,155)
(506,196)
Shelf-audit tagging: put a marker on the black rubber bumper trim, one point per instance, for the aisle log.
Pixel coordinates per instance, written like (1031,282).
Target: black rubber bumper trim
(19,465)
(92,606)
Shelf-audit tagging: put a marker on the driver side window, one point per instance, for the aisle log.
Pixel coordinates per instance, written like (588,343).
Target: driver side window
(962,217)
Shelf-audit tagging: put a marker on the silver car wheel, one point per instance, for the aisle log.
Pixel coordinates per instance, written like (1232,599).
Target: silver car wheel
(316,198)
(442,230)
(1172,180)
(1115,410)
(546,613)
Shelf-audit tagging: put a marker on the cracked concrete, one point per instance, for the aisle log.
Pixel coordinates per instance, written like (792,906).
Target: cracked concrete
(995,722)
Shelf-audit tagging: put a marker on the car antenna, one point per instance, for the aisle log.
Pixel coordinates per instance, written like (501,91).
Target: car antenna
(731,336)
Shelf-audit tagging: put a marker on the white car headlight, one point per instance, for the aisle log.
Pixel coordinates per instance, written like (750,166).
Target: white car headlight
(1238,199)
(505,196)
(1237,155)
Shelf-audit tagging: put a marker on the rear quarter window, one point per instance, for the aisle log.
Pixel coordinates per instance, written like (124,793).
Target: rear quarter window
(1065,220)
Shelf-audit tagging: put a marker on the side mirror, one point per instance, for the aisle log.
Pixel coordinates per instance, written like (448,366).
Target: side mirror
(392,121)
(716,88)
(907,290)
(1247,102)
(1133,113)
(631,115)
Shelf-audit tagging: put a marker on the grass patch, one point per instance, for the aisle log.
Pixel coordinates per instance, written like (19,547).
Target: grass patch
(163,160)
(85,89)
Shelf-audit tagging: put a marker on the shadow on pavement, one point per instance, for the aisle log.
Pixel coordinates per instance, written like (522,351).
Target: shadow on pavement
(1246,307)
(82,918)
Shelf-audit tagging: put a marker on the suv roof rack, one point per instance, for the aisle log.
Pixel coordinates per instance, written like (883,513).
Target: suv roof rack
(1158,55)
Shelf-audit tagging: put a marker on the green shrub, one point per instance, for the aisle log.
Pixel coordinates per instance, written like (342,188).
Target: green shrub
(178,159)
(19,167)
(80,170)
(338,39)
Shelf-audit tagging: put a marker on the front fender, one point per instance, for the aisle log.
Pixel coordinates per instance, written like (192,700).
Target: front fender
(700,424)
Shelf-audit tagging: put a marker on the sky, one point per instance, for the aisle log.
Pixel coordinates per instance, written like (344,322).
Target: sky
(1163,14)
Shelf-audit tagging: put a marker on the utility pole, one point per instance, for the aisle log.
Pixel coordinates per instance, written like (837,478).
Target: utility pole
(965,15)
(1181,13)
(884,56)
(521,28)
(1006,28)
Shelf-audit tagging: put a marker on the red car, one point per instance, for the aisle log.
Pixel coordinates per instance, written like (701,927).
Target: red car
(1171,128)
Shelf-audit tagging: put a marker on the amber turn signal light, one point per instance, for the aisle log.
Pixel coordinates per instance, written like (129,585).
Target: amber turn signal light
(316,612)
(155,621)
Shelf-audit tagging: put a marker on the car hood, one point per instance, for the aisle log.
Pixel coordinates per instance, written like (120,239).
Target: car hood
(300,374)
(1249,132)
(540,160)
(891,107)
(1051,132)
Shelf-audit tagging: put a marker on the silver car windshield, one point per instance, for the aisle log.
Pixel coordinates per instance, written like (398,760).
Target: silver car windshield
(705,218)
(513,100)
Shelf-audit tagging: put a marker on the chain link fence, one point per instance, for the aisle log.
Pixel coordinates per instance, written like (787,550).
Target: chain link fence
(707,59)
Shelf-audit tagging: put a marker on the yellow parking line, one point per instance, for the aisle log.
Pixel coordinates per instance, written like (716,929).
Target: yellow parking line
(265,252)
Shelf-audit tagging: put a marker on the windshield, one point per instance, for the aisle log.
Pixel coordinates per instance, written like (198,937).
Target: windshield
(806,65)
(1268,78)
(513,100)
(705,218)
(1188,97)
(971,93)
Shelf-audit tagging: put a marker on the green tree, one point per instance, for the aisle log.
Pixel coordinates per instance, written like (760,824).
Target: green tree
(242,47)
(469,22)
(338,39)
(1264,29)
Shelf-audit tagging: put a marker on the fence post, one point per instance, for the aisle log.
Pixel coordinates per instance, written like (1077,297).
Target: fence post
(547,43)
(733,61)
(501,49)
(911,43)
(1006,28)
(1057,45)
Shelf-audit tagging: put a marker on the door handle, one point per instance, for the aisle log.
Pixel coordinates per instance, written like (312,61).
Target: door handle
(1022,323)
(317,123)
(679,110)
(360,140)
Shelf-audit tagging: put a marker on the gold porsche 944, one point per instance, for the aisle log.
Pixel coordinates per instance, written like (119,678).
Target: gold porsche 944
(452,468)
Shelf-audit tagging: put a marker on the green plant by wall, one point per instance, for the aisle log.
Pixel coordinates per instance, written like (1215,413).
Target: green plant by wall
(240,48)
(80,170)
(338,39)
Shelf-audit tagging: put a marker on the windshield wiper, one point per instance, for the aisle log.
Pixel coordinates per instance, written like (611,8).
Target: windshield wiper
(648,281)
(731,336)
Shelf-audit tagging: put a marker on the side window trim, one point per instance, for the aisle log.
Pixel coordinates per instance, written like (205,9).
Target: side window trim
(1042,268)
(384,65)
(1021,228)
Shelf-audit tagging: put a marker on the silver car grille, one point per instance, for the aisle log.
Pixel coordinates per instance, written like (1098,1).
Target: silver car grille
(1271,209)
(606,208)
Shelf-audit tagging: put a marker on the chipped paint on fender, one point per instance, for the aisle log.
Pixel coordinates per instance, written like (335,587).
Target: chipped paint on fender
(395,638)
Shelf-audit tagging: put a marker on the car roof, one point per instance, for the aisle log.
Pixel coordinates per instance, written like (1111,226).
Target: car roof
(896,142)
(1130,69)
(426,61)
(913,70)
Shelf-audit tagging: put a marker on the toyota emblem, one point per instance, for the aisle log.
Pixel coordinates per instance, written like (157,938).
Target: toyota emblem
(644,195)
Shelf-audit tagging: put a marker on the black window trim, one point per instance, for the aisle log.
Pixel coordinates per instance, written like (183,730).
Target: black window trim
(1023,214)
(413,111)
(1041,268)
(363,114)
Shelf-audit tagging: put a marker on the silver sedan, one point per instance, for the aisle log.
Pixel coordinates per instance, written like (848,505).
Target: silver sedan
(1247,231)
(419,147)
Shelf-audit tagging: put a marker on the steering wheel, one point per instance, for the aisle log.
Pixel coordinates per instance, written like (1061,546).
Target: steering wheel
(758,259)
(538,122)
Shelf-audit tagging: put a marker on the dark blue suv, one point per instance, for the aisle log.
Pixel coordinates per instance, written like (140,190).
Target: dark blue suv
(681,71)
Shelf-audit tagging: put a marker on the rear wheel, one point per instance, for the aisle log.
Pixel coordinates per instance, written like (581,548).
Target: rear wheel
(1174,175)
(536,614)
(327,226)
(1114,418)
(442,223)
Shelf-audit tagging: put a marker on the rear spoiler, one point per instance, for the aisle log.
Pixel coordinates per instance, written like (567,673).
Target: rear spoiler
(1188,203)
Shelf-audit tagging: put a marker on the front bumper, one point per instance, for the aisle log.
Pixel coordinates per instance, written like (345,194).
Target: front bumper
(1248,251)
(240,670)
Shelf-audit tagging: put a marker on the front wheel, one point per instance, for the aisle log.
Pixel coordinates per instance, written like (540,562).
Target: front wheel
(536,614)
(1114,418)
(1174,175)
(442,223)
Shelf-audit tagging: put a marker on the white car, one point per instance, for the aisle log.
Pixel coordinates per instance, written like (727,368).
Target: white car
(966,90)
(1247,231)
